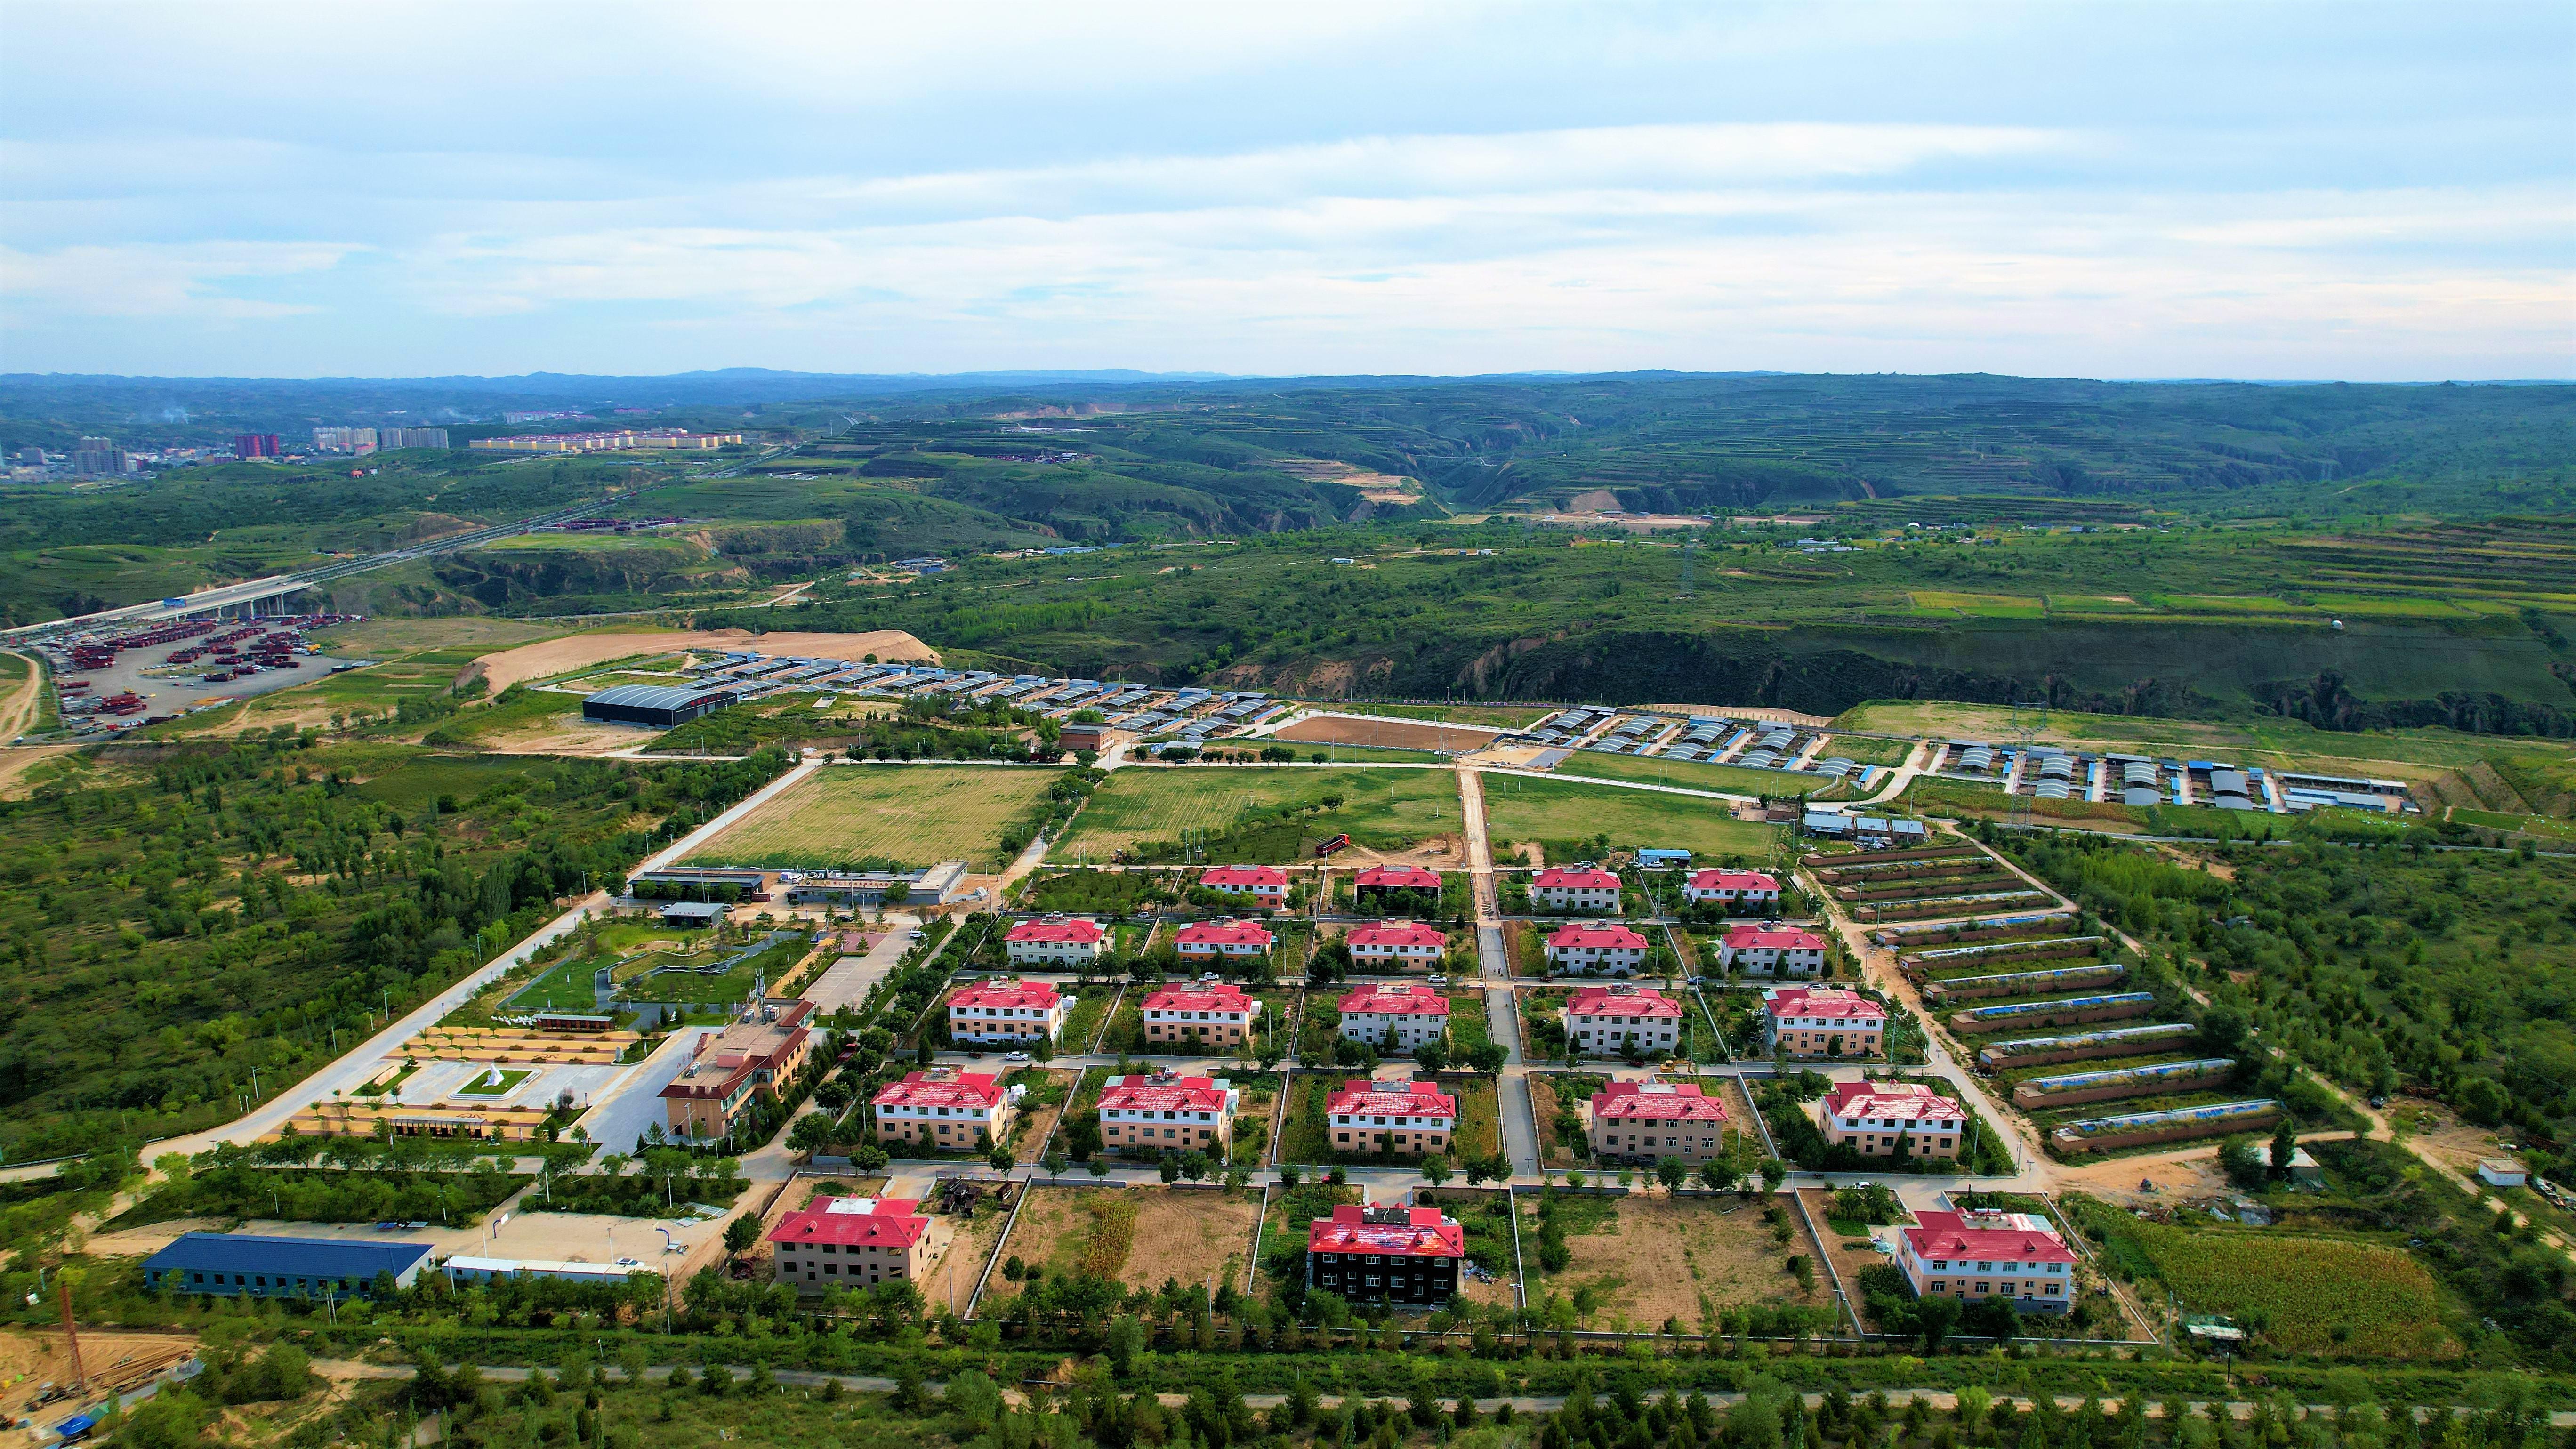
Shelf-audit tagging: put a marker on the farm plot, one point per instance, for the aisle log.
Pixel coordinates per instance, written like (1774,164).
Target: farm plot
(1641,1261)
(1396,733)
(2314,1294)
(1695,775)
(1258,815)
(1142,1237)
(1566,818)
(905,816)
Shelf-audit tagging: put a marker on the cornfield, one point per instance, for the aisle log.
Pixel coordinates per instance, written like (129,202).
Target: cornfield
(2309,1295)
(1113,1235)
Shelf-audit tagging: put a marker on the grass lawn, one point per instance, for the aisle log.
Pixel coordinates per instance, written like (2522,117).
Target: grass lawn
(565,987)
(908,815)
(1090,1004)
(1866,751)
(1693,775)
(1252,814)
(484,1086)
(1562,815)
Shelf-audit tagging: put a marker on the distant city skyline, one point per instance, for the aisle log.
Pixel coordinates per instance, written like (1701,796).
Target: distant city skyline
(2363,192)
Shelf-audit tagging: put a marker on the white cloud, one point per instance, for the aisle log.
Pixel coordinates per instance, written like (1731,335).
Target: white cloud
(168,281)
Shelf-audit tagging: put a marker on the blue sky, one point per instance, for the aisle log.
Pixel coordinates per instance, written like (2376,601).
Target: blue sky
(2273,190)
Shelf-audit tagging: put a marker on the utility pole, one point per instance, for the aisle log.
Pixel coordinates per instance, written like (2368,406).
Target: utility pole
(71,1336)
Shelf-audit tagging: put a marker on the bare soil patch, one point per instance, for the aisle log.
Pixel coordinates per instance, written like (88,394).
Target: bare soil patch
(1847,1261)
(1685,1259)
(1409,734)
(970,1246)
(31,1359)
(577,651)
(1196,1236)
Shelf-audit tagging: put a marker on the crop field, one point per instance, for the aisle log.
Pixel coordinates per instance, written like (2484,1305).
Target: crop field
(907,815)
(1694,775)
(2319,1295)
(1397,733)
(1562,815)
(1254,814)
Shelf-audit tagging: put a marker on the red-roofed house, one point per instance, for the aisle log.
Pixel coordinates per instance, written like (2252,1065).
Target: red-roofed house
(1267,885)
(1584,887)
(1755,951)
(854,1242)
(1649,1121)
(1400,1015)
(943,1107)
(1410,1119)
(1056,941)
(1871,1116)
(1405,1255)
(1607,1021)
(1732,888)
(1397,943)
(1596,948)
(1007,1011)
(1229,938)
(1989,1255)
(1167,1113)
(1215,1013)
(1821,1021)
(730,1067)
(1397,878)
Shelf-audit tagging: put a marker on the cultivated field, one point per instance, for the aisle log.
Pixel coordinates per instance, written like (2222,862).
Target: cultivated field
(1562,814)
(1399,733)
(2318,1295)
(913,815)
(1258,814)
(1694,775)
(1143,1237)
(1653,1258)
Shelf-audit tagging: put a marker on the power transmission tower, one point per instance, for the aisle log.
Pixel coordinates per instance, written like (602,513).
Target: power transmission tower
(2028,721)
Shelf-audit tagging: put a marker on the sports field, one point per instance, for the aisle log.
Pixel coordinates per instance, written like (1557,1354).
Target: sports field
(1563,814)
(910,815)
(1255,814)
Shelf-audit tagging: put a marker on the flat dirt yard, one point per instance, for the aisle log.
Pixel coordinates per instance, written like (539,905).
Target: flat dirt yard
(30,1359)
(579,651)
(1661,1257)
(1410,734)
(916,815)
(1142,1236)
(952,1278)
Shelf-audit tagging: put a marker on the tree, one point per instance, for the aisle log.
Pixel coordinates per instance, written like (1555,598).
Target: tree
(1435,1169)
(1474,1168)
(999,1157)
(1432,1055)
(1672,1172)
(869,1157)
(1125,1340)
(1773,1174)
(2241,1163)
(741,1233)
(812,1132)
(1487,1058)
(2285,1146)
(1169,1167)
(1714,1175)
(1194,1165)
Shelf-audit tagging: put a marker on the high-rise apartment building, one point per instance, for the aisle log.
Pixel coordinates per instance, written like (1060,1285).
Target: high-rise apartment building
(254,445)
(392,438)
(98,458)
(344,440)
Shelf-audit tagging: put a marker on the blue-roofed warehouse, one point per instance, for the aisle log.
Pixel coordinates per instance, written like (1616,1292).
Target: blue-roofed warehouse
(655,704)
(247,1265)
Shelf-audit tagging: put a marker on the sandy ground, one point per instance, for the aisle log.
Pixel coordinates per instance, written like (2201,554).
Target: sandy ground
(952,1280)
(1042,1121)
(1679,1258)
(1847,1261)
(30,1359)
(557,656)
(1197,1236)
(2180,1175)
(17,715)
(1393,733)
(571,736)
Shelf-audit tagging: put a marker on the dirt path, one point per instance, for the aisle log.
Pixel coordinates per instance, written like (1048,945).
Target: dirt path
(18,715)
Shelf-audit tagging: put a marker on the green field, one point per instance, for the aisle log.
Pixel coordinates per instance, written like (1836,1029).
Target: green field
(909,815)
(1692,775)
(2317,1295)
(1256,814)
(1562,815)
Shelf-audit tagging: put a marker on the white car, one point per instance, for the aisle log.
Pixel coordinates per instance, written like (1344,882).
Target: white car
(1015,1056)
(921,935)
(1209,976)
(1439,980)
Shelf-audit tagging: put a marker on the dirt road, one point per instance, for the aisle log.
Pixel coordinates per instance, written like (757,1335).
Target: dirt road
(18,715)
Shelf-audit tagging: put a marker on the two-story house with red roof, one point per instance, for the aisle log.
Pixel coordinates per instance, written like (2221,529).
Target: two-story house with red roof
(1055,941)
(1650,1121)
(1979,1255)
(1760,951)
(1223,939)
(1409,883)
(1583,887)
(1007,1012)
(1734,889)
(942,1107)
(1399,1016)
(1264,885)
(1596,948)
(1201,1015)
(1402,1119)
(1611,1021)
(1873,1117)
(1395,1254)
(1165,1112)
(1397,945)
(1822,1021)
(854,1242)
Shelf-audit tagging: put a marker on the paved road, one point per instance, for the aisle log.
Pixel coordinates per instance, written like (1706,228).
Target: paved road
(1502,1003)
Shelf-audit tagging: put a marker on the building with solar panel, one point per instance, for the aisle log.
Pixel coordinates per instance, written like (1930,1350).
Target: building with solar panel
(655,704)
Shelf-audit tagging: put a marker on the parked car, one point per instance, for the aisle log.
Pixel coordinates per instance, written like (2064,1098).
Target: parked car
(1439,980)
(1015,1056)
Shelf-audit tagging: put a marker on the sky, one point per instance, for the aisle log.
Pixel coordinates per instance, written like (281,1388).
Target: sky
(2282,190)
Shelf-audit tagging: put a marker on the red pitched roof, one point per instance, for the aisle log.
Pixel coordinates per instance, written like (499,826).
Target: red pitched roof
(1243,875)
(1423,1233)
(1141,1093)
(1215,996)
(1786,940)
(1596,933)
(941,1087)
(1076,930)
(1224,933)
(1397,1000)
(1399,877)
(1655,1102)
(1902,1101)
(1574,877)
(1038,994)
(2006,1237)
(1732,880)
(1412,1099)
(1831,1002)
(876,1221)
(1397,933)
(1609,1001)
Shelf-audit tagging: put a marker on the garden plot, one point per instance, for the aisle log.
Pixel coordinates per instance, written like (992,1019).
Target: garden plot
(906,816)
(1567,818)
(1256,815)
(1647,1259)
(1140,1236)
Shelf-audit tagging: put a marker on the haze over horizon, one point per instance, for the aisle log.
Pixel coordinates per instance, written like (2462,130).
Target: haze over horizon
(2119,191)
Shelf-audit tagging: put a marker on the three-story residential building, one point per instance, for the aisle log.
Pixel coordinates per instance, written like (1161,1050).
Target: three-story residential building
(1734,889)
(1403,1119)
(1265,886)
(1007,1012)
(1596,948)
(943,1108)
(1166,1112)
(1582,887)
(852,1242)
(1055,941)
(1201,1015)
(1822,1021)
(1223,939)
(1650,1121)
(1399,1016)
(1872,1117)
(1759,951)
(1610,1021)
(1400,1255)
(1980,1255)
(1399,945)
